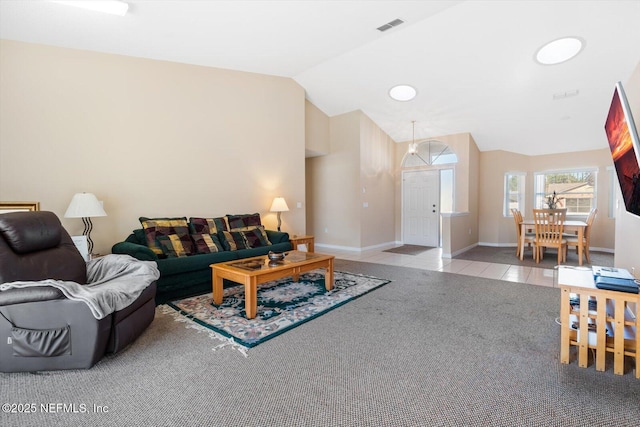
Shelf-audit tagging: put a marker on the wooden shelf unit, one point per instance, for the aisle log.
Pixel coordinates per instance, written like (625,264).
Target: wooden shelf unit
(614,312)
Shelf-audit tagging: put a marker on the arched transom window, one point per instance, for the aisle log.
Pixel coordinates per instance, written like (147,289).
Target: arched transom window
(428,153)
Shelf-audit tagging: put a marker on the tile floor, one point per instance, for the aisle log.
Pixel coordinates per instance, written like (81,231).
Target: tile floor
(432,260)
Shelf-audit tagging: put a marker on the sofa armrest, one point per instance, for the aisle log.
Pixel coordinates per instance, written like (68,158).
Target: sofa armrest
(277,236)
(141,252)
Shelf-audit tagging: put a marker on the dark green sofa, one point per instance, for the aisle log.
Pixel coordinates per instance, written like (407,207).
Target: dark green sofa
(186,276)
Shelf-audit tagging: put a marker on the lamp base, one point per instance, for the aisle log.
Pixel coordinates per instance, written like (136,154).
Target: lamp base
(88,226)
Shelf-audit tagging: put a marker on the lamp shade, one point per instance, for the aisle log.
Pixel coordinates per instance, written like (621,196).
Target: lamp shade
(279,205)
(84,205)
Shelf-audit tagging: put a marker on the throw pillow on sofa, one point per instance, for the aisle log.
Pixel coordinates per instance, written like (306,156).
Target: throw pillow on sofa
(174,245)
(256,234)
(242,221)
(246,238)
(158,227)
(208,225)
(207,243)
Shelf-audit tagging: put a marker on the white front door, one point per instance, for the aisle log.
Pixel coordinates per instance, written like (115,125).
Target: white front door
(421,208)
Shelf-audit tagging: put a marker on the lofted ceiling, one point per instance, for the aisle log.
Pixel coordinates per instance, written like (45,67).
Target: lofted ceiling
(472,62)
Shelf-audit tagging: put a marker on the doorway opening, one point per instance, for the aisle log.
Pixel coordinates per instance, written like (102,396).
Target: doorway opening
(427,190)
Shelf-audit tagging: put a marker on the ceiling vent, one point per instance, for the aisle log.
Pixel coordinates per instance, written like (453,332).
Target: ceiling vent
(567,94)
(390,25)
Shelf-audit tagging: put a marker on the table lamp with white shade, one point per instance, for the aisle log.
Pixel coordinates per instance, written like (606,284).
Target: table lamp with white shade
(279,205)
(85,206)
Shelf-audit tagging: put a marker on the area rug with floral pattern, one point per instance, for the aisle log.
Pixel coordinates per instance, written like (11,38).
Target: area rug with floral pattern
(282,305)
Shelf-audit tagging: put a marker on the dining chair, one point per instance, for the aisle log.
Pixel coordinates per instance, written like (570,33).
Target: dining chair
(573,240)
(529,238)
(549,224)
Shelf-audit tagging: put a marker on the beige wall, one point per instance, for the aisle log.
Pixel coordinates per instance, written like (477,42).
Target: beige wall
(149,138)
(333,182)
(316,131)
(456,238)
(358,169)
(377,181)
(474,199)
(627,253)
(496,229)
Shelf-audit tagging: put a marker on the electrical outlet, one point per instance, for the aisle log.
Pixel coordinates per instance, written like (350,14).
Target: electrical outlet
(326,230)
(469,232)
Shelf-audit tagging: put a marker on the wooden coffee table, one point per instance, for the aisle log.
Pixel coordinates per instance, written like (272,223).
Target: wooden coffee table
(253,271)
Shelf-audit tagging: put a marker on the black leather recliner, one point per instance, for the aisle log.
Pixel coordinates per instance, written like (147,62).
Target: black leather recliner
(41,329)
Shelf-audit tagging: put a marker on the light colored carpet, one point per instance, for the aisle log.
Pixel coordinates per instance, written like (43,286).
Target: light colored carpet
(428,349)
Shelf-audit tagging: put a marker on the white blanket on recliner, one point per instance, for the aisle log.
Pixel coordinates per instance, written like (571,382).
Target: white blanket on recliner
(113,283)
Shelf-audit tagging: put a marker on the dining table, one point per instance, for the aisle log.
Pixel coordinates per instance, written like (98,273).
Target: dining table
(570,226)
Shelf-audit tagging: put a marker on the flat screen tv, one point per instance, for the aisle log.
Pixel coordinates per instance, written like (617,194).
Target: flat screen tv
(625,149)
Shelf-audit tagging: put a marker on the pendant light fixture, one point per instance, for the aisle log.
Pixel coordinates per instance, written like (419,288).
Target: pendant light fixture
(413,146)
(436,151)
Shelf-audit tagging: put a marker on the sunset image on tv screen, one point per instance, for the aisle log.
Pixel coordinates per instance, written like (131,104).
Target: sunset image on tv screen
(619,135)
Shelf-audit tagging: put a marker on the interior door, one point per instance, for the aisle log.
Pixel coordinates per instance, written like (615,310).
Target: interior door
(421,208)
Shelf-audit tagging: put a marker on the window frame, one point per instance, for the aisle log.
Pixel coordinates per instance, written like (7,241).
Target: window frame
(538,197)
(521,193)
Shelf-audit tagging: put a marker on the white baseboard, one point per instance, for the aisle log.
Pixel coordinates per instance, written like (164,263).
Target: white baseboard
(498,245)
(607,250)
(386,245)
(458,252)
(336,247)
(383,246)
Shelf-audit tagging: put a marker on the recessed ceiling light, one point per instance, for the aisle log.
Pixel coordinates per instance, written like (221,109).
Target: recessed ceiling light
(560,50)
(402,93)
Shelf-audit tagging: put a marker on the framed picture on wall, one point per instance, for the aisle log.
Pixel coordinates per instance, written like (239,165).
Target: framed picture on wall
(6,207)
